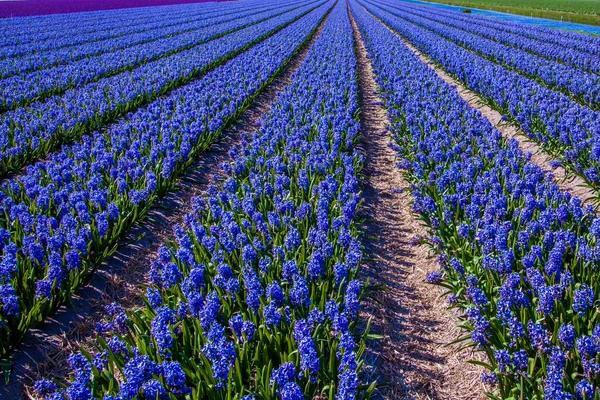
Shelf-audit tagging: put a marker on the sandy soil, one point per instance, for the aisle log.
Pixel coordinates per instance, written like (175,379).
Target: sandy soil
(415,322)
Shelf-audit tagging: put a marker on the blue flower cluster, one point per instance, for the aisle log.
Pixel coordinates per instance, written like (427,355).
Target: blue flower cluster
(23,88)
(582,86)
(66,214)
(258,292)
(573,49)
(563,128)
(518,255)
(43,33)
(30,132)
(563,39)
(39,55)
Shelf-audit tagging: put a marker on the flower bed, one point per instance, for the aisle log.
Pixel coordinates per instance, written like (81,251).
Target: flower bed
(31,132)
(517,255)
(564,129)
(257,297)
(65,215)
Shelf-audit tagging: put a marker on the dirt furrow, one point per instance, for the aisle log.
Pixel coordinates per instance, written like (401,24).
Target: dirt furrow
(566,182)
(122,277)
(412,358)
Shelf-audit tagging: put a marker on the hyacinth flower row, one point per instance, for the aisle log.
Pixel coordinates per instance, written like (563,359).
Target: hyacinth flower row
(69,48)
(256,298)
(64,216)
(31,132)
(39,26)
(72,46)
(20,90)
(560,38)
(570,56)
(89,26)
(517,255)
(29,64)
(585,43)
(23,31)
(564,129)
(55,60)
(584,87)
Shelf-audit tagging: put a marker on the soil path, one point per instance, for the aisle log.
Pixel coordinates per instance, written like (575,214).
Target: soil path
(415,322)
(565,181)
(122,277)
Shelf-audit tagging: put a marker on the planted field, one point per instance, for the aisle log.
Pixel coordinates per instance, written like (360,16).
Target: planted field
(298,200)
(582,6)
(579,11)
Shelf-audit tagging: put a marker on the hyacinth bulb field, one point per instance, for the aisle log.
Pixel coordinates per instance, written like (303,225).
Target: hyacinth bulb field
(298,199)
